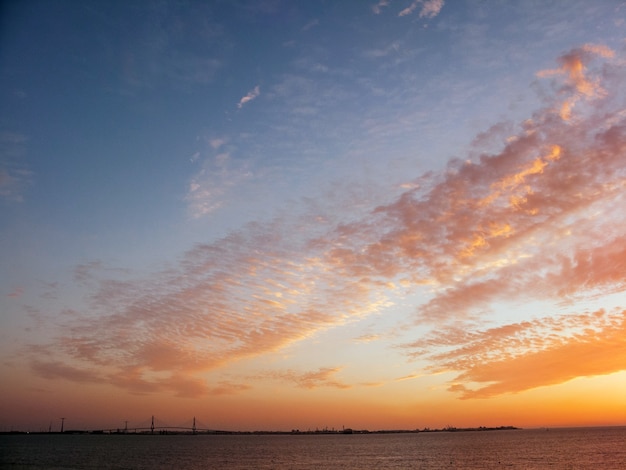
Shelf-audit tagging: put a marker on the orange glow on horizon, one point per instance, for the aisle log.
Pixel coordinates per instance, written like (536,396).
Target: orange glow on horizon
(346,222)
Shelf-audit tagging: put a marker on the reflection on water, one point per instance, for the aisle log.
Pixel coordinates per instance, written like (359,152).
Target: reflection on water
(522,449)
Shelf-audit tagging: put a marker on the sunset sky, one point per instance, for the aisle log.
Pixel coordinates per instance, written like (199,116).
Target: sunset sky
(277,214)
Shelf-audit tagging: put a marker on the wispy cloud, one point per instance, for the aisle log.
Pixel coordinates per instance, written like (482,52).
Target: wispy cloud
(578,86)
(211,187)
(16,293)
(323,377)
(429,8)
(15,177)
(394,47)
(229,388)
(409,377)
(377,9)
(55,370)
(252,94)
(152,52)
(368,338)
(217,142)
(311,24)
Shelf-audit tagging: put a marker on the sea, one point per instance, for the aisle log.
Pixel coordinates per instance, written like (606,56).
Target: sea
(572,448)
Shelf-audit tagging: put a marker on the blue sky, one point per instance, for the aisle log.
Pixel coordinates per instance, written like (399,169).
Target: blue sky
(204,161)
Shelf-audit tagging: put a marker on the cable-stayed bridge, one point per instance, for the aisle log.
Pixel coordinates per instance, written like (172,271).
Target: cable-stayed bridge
(153,425)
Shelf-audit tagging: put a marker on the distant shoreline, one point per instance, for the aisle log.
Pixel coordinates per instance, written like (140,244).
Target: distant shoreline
(205,432)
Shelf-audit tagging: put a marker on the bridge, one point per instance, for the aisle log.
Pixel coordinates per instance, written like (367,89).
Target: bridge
(154,426)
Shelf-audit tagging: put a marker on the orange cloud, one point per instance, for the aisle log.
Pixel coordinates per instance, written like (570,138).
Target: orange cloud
(521,356)
(229,388)
(55,370)
(323,377)
(573,66)
(555,276)
(540,181)
(591,352)
(542,213)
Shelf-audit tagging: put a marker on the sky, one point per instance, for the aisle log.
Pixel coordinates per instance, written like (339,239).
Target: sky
(284,215)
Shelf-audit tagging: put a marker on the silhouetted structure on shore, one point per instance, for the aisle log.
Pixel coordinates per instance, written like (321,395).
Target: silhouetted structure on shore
(194,429)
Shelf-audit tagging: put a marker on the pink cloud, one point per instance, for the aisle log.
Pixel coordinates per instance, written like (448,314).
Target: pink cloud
(16,293)
(495,207)
(377,9)
(544,207)
(429,8)
(252,94)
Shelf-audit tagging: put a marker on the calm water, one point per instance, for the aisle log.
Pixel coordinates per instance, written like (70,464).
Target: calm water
(603,448)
